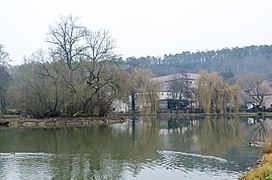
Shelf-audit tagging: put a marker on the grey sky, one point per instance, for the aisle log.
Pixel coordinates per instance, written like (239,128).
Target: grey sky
(141,27)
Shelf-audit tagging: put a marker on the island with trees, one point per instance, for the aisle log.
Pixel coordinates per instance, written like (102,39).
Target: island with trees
(81,75)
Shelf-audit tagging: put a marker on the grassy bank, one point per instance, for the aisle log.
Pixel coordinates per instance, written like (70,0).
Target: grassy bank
(264,169)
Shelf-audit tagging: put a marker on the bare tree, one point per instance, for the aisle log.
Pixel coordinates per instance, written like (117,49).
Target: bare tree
(89,56)
(67,38)
(180,86)
(78,77)
(100,46)
(255,86)
(182,89)
(101,85)
(38,90)
(4,57)
(5,78)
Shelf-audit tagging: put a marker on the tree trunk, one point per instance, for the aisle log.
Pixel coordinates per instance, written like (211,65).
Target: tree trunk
(133,104)
(3,106)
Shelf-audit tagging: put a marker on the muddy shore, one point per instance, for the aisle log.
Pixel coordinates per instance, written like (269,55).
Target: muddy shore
(10,121)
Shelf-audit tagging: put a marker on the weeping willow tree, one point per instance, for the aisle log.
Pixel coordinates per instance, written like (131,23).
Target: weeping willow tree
(148,98)
(236,93)
(146,90)
(215,95)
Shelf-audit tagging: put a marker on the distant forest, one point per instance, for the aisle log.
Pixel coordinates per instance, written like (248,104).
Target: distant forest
(230,63)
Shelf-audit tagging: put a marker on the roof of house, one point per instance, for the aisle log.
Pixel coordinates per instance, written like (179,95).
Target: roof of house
(268,85)
(191,76)
(166,79)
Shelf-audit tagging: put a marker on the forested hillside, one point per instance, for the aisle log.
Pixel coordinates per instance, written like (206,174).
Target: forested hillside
(229,62)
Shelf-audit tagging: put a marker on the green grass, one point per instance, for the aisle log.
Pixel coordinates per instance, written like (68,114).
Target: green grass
(269,177)
(263,171)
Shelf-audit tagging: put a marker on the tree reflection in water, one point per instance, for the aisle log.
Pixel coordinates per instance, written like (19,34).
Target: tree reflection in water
(182,144)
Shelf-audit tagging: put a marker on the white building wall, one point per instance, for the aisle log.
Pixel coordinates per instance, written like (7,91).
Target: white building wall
(119,106)
(165,95)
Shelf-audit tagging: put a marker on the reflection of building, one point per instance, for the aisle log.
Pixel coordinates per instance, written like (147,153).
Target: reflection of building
(177,126)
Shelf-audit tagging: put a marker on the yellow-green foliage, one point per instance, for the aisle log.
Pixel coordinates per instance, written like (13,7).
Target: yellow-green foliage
(268,146)
(147,96)
(264,171)
(269,177)
(215,95)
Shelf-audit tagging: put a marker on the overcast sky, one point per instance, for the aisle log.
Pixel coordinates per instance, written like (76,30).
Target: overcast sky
(141,27)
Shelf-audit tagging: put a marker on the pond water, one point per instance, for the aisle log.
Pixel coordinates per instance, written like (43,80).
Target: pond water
(146,148)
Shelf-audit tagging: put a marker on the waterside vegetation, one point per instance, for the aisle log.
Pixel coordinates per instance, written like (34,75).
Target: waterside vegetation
(264,168)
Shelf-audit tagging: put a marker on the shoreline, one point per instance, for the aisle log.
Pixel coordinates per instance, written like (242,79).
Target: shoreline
(262,170)
(16,121)
(59,122)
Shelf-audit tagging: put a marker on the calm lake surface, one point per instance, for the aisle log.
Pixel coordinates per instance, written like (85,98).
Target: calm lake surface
(146,148)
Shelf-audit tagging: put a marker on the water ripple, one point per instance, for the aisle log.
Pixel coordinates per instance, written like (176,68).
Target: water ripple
(50,166)
(171,153)
(190,162)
